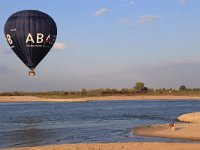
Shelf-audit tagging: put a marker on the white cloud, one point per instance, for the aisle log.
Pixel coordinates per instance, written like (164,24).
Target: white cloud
(131,2)
(143,20)
(101,12)
(59,46)
(147,19)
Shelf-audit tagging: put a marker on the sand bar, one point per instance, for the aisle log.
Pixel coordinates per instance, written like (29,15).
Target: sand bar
(36,99)
(117,146)
(193,117)
(188,131)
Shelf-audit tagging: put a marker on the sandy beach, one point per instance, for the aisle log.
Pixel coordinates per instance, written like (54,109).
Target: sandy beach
(37,99)
(188,131)
(117,146)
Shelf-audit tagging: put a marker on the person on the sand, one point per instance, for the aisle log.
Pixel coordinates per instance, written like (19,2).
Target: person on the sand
(172,126)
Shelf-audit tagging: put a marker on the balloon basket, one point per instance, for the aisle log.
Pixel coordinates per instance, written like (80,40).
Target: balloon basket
(31,73)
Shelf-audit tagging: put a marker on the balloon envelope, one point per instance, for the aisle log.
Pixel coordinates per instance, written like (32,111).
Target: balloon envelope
(31,34)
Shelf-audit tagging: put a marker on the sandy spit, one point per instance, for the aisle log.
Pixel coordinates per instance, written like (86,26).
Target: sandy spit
(188,131)
(117,146)
(36,99)
(190,117)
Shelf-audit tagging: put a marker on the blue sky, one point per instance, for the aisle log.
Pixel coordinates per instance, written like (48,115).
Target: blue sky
(109,44)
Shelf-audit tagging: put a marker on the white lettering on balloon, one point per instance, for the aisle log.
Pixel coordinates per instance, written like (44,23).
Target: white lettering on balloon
(9,39)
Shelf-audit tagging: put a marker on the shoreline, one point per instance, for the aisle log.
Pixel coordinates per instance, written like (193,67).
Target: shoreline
(185,131)
(86,99)
(188,128)
(115,146)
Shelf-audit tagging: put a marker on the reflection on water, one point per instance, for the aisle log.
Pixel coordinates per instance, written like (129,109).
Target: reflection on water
(31,124)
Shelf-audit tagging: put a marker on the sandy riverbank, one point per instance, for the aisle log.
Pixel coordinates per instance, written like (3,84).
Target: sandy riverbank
(189,130)
(36,99)
(118,146)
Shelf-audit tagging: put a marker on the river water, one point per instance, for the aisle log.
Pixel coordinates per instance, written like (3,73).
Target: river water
(42,123)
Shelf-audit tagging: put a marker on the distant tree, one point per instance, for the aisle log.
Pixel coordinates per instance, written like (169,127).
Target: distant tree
(16,93)
(108,91)
(114,91)
(182,88)
(72,93)
(138,86)
(151,90)
(124,91)
(158,90)
(66,93)
(144,89)
(83,91)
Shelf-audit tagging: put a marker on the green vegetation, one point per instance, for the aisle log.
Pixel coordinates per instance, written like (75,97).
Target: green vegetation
(138,89)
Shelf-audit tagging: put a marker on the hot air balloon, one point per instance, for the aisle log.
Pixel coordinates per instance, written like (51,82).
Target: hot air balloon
(30,34)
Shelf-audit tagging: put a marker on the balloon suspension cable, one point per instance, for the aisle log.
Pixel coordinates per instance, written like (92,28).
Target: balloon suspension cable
(31,73)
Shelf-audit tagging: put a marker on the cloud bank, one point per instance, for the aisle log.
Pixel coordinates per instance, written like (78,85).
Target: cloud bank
(101,12)
(143,20)
(59,46)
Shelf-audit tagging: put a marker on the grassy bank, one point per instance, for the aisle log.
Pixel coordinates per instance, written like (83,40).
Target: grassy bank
(102,92)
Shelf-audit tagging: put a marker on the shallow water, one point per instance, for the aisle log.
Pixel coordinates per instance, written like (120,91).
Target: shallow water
(31,124)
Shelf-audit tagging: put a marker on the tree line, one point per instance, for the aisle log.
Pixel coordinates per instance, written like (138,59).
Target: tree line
(138,89)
